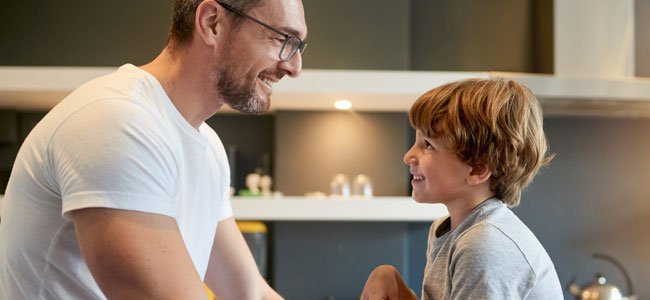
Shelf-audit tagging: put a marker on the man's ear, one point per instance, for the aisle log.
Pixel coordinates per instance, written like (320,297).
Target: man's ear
(478,174)
(208,16)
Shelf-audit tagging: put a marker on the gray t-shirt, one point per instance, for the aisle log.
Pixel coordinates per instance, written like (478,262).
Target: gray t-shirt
(490,255)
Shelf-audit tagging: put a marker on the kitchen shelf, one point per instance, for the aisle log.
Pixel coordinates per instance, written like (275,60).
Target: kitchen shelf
(403,209)
(335,209)
(40,88)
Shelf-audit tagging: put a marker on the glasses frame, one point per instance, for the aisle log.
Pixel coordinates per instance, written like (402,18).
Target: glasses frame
(301,45)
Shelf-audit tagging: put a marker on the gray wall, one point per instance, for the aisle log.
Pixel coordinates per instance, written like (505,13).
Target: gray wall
(360,34)
(83,33)
(504,35)
(14,127)
(642,37)
(594,197)
(249,141)
(311,147)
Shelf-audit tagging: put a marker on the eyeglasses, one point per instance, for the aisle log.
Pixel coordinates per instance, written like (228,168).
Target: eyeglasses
(291,43)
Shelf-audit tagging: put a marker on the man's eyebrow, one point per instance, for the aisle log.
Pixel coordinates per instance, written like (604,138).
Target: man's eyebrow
(291,31)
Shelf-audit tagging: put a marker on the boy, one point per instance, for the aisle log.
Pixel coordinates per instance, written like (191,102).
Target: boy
(478,144)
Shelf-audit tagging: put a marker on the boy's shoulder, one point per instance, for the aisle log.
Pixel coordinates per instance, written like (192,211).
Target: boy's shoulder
(494,227)
(498,236)
(488,239)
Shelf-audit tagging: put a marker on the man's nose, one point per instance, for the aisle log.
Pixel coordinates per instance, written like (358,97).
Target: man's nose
(293,66)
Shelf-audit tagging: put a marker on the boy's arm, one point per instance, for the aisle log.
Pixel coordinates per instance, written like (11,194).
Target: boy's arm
(232,272)
(385,283)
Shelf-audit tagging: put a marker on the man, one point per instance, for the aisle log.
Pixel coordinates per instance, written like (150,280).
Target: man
(121,191)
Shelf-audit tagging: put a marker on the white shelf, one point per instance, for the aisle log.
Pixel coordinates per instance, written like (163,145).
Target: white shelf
(331,209)
(41,88)
(335,209)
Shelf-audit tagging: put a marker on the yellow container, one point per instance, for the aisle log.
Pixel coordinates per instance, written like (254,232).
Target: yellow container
(251,227)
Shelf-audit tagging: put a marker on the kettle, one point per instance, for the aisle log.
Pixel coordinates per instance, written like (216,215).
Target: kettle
(600,289)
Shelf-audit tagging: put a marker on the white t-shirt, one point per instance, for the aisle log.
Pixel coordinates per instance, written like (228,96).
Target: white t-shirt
(116,142)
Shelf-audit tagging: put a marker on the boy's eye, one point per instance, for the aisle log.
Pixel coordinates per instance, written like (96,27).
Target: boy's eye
(427,145)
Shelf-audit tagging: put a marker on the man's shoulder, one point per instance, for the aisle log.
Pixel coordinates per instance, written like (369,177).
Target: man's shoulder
(127,82)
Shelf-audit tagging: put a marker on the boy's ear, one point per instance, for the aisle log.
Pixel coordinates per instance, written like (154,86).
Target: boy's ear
(478,174)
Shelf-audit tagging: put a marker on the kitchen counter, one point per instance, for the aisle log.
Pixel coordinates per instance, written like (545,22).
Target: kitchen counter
(331,209)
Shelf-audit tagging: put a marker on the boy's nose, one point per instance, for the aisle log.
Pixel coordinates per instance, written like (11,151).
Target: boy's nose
(409,159)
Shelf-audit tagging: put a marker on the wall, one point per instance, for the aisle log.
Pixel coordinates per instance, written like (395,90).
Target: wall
(311,147)
(642,37)
(82,33)
(361,34)
(249,141)
(508,35)
(594,198)
(14,127)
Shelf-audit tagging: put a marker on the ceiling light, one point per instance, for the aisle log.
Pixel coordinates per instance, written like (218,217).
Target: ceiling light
(343,104)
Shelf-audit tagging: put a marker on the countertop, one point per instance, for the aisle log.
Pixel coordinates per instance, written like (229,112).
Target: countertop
(331,209)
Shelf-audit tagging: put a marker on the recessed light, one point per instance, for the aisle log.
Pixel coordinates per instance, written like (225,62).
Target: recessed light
(343,104)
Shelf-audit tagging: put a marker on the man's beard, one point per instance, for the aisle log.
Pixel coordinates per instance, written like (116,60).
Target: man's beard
(241,96)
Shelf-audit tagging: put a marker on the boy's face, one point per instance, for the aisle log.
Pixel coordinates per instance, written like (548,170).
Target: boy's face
(439,176)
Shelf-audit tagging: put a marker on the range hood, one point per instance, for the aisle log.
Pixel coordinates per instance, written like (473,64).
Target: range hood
(40,88)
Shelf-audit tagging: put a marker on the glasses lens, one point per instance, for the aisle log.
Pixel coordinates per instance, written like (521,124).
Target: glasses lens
(290,48)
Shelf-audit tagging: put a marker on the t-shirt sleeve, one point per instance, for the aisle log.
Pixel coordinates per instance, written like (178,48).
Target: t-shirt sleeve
(487,264)
(226,208)
(113,154)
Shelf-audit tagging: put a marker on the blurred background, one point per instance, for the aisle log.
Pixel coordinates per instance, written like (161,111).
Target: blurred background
(594,197)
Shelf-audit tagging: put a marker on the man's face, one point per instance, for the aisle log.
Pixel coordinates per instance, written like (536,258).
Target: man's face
(251,64)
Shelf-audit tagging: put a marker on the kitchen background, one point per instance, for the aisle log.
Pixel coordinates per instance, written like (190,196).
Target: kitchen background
(593,197)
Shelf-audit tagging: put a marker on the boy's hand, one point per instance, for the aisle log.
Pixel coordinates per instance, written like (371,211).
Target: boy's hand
(385,283)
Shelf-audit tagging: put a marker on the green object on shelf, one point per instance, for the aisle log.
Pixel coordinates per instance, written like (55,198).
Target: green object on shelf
(248,193)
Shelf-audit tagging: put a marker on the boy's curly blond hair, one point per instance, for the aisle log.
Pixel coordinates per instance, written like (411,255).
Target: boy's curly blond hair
(495,122)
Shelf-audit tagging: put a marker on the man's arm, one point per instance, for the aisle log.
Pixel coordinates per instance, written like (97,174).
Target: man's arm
(136,255)
(232,272)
